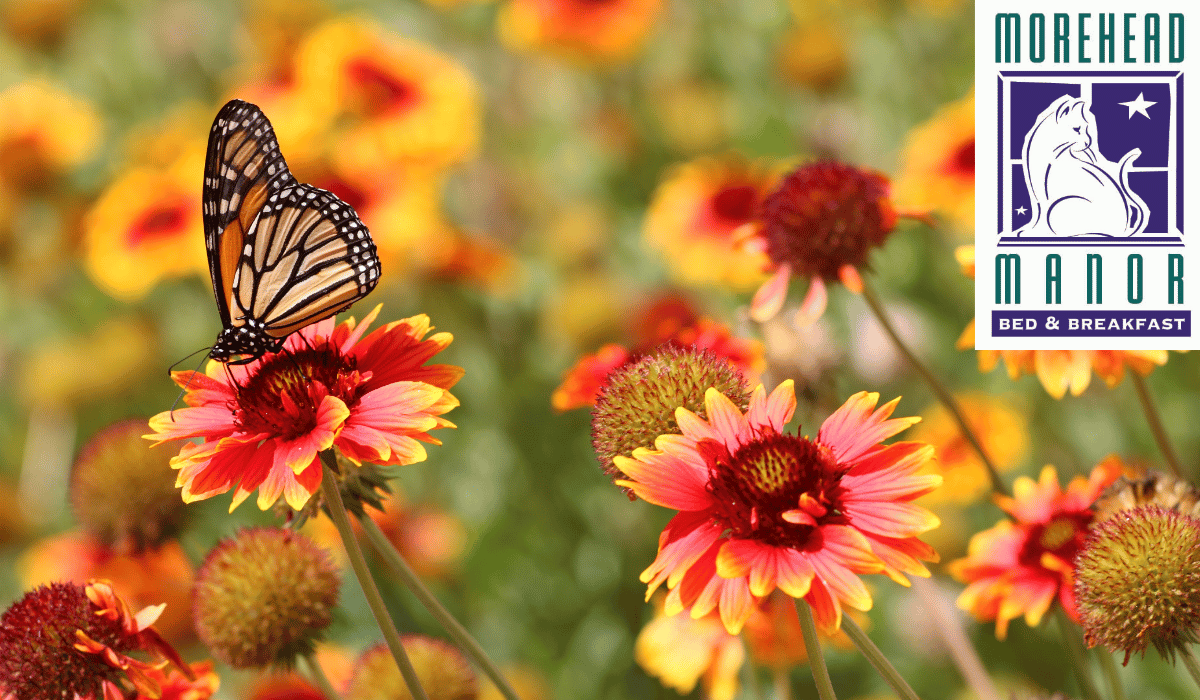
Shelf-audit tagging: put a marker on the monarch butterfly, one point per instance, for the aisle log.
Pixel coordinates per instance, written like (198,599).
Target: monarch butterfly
(282,254)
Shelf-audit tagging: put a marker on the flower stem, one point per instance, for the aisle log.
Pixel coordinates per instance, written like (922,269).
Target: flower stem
(964,654)
(877,659)
(783,684)
(1189,662)
(453,627)
(1077,654)
(316,674)
(813,646)
(1109,667)
(337,513)
(1155,420)
(942,393)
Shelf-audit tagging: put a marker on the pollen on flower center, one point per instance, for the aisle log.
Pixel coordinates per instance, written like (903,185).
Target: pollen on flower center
(283,395)
(775,489)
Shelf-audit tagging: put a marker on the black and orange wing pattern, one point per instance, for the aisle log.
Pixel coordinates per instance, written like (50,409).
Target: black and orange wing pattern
(282,254)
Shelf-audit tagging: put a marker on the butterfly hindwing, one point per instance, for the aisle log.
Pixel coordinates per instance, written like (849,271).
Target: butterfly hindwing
(307,256)
(281,254)
(242,167)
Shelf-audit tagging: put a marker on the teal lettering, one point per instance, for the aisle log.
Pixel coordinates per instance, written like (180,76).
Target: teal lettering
(1062,38)
(1174,278)
(1037,37)
(1095,283)
(1134,284)
(1008,24)
(1108,38)
(1174,20)
(1009,279)
(1129,37)
(1151,32)
(1054,278)
(1083,37)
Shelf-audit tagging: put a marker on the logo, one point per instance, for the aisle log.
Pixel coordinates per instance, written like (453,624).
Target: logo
(1081,119)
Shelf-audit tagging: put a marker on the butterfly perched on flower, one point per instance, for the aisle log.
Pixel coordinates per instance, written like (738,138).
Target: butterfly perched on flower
(282,254)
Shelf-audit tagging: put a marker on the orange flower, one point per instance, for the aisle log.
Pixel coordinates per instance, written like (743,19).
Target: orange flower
(1003,431)
(264,423)
(1058,370)
(396,100)
(588,32)
(937,169)
(760,508)
(1019,566)
(430,540)
(695,213)
(152,575)
(581,384)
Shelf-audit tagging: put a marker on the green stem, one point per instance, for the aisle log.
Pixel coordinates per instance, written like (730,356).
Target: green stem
(946,622)
(812,646)
(943,394)
(783,684)
(1155,420)
(337,513)
(877,659)
(316,674)
(1077,654)
(1109,667)
(1189,662)
(453,627)
(749,678)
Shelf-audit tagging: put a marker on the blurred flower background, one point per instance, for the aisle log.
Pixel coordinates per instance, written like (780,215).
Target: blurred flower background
(562,185)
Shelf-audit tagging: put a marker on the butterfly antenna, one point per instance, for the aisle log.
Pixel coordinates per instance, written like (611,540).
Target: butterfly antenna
(190,377)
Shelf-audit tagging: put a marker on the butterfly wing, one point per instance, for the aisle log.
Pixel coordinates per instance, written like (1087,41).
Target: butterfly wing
(242,168)
(307,256)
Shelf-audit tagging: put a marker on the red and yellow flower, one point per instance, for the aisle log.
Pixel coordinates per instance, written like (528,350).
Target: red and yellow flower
(395,100)
(263,424)
(1059,371)
(145,227)
(695,213)
(45,132)
(1020,566)
(581,30)
(937,170)
(761,509)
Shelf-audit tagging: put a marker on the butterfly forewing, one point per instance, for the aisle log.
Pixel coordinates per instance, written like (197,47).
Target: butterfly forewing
(281,254)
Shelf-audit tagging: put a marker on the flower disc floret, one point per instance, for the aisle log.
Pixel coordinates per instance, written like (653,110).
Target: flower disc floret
(1137,581)
(638,399)
(825,215)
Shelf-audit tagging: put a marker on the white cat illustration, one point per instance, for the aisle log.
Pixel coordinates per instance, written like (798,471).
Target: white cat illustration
(1073,189)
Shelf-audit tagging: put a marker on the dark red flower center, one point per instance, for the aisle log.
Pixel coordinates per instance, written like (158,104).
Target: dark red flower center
(1063,537)
(382,92)
(962,161)
(281,398)
(825,215)
(776,489)
(735,204)
(160,221)
(38,658)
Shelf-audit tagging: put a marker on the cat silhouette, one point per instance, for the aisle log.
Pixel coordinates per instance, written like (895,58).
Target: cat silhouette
(1073,189)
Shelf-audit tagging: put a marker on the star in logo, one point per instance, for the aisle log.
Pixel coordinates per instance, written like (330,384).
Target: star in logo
(1021,211)
(1138,106)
